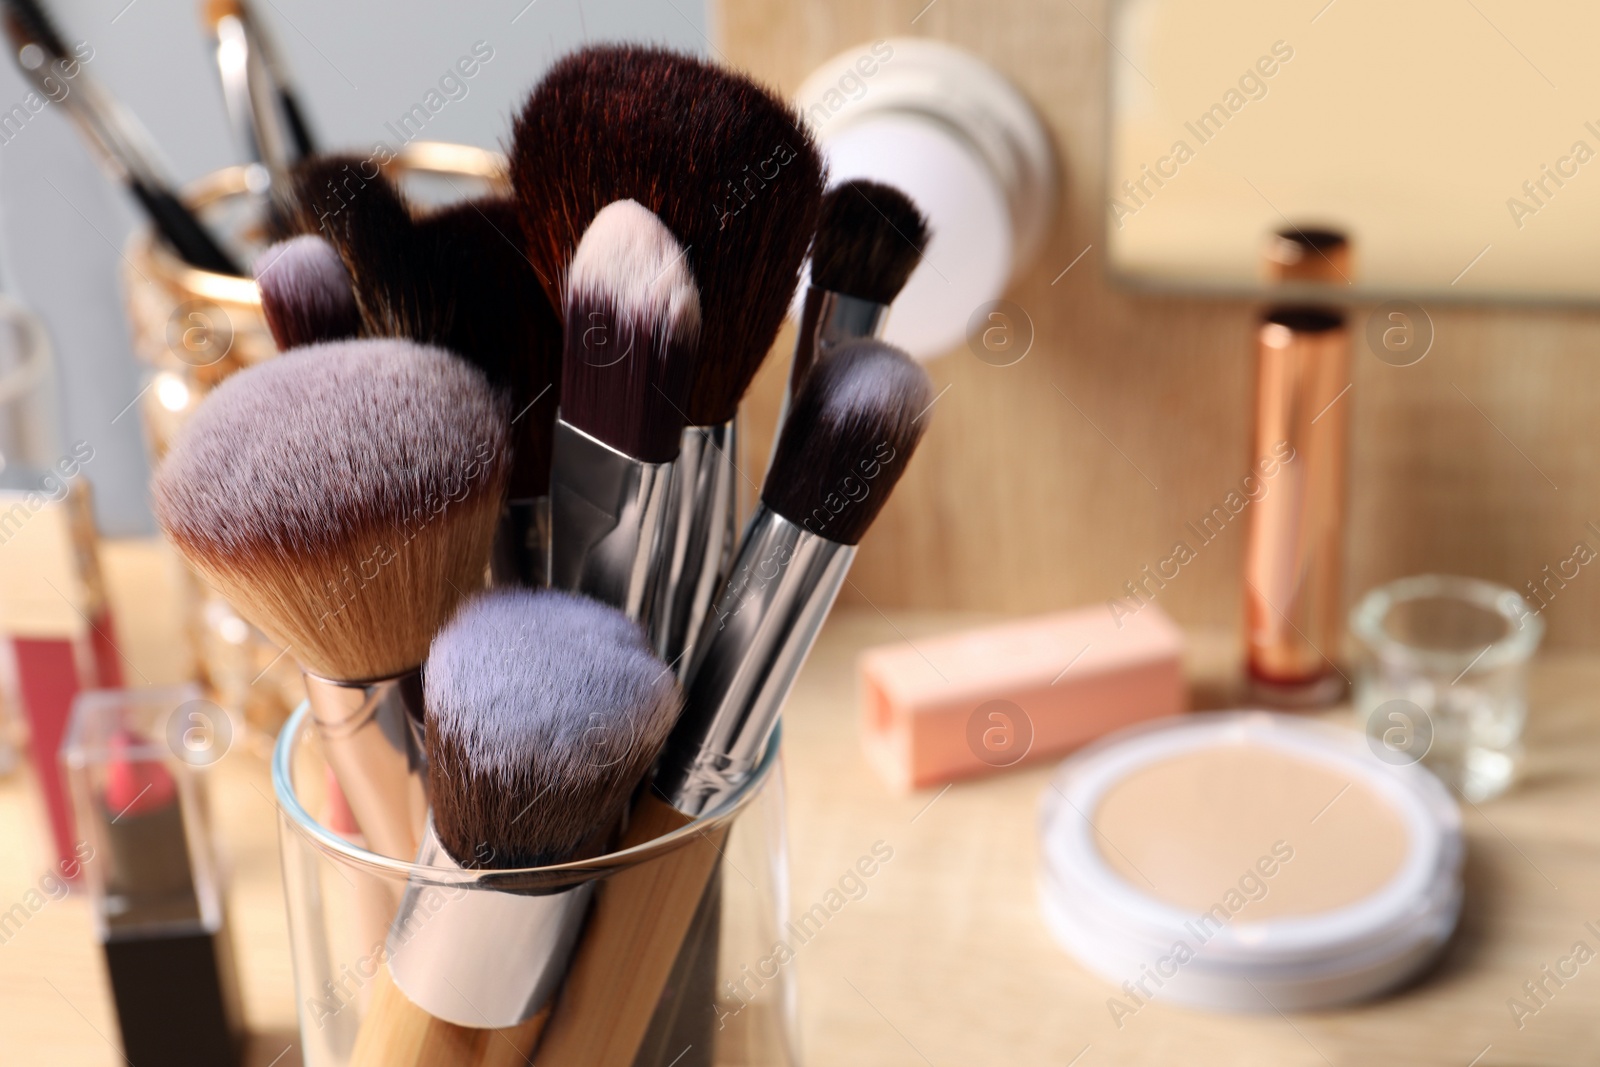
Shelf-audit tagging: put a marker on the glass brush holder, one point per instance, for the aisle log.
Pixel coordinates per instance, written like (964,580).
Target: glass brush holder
(351,911)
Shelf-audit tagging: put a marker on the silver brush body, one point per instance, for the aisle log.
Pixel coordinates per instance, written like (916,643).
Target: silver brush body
(784,582)
(607,520)
(702,531)
(481,956)
(370,734)
(829,319)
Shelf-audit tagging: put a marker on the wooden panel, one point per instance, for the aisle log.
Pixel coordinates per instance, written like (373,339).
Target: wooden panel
(1054,481)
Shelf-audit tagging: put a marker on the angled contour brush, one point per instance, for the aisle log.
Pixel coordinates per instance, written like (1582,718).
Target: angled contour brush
(868,241)
(116,137)
(734,174)
(544,710)
(853,429)
(343,498)
(633,323)
(307,297)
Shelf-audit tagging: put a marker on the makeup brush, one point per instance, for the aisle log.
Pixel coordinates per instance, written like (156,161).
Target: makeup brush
(544,710)
(456,278)
(732,171)
(116,137)
(306,293)
(343,498)
(633,322)
(853,429)
(868,241)
(262,107)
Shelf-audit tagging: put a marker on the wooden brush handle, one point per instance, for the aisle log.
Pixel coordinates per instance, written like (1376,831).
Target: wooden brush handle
(632,939)
(397,1033)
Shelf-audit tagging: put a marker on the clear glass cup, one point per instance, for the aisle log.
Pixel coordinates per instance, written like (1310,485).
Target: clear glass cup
(1444,677)
(729,1001)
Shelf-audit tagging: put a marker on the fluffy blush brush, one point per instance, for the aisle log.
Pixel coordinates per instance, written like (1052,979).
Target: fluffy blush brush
(733,173)
(544,711)
(853,429)
(343,498)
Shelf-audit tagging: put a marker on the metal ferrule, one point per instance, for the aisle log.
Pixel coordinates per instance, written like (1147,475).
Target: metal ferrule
(828,320)
(478,956)
(522,544)
(607,515)
(370,737)
(784,580)
(701,532)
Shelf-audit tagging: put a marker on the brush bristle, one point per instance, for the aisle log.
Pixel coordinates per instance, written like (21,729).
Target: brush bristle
(848,439)
(306,293)
(502,321)
(28,21)
(869,239)
(456,278)
(214,11)
(725,163)
(342,497)
(634,322)
(544,710)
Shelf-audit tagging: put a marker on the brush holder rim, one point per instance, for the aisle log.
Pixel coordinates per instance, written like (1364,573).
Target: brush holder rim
(551,878)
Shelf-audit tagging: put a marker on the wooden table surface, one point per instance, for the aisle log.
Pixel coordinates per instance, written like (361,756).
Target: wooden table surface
(945,960)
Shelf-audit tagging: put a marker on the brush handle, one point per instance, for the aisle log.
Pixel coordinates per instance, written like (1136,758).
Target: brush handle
(784,582)
(701,532)
(369,735)
(635,934)
(397,1033)
(179,227)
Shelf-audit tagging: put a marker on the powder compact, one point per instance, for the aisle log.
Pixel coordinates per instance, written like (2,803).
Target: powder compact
(1247,861)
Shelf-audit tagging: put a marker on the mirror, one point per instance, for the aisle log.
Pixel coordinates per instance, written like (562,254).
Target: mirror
(1457,142)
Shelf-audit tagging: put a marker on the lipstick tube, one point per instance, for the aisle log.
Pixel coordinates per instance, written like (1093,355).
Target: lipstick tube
(1294,556)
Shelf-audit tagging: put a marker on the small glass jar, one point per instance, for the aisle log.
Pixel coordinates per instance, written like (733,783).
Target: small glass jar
(731,996)
(1444,678)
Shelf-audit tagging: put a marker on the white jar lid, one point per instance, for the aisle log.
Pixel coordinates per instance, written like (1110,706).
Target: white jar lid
(1126,932)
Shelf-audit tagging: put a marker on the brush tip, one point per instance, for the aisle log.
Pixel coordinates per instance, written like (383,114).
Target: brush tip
(869,239)
(307,296)
(633,323)
(847,440)
(544,710)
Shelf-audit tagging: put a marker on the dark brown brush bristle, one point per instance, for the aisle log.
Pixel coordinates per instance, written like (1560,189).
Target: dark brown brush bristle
(869,239)
(349,202)
(342,497)
(306,293)
(502,321)
(457,278)
(725,163)
(30,21)
(544,710)
(848,439)
(634,312)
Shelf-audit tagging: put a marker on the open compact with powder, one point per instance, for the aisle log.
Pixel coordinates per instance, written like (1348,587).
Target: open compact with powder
(1248,862)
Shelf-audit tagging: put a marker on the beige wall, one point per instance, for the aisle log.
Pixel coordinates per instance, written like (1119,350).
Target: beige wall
(1478,460)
